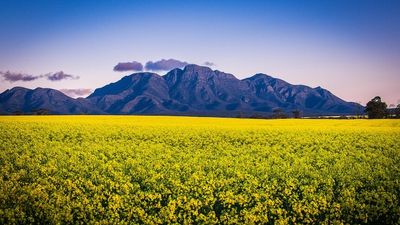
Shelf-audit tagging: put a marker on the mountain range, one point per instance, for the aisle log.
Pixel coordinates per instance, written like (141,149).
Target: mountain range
(194,91)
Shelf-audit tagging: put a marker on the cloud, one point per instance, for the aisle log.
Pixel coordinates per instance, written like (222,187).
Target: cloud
(14,76)
(128,66)
(57,76)
(79,92)
(165,65)
(209,63)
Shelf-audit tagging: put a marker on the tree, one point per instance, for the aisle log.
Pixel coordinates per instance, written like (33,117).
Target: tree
(40,111)
(18,112)
(376,109)
(278,113)
(398,111)
(296,113)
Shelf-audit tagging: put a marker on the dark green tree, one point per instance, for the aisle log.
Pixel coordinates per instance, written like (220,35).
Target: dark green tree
(376,109)
(398,111)
(40,111)
(296,113)
(278,113)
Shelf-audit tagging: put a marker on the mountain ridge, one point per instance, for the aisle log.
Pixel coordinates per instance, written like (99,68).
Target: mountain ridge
(193,91)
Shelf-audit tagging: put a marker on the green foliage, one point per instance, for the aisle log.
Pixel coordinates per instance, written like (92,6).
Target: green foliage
(398,111)
(376,109)
(132,170)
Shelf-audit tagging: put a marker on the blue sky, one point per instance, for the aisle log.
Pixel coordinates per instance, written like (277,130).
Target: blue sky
(349,47)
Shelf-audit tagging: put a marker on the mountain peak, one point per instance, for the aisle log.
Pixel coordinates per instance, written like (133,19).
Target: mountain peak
(202,72)
(197,68)
(18,88)
(24,100)
(143,74)
(259,76)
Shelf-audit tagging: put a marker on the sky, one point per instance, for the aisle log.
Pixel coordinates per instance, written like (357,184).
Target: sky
(350,47)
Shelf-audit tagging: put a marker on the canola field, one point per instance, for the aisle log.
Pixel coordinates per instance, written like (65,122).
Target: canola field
(163,170)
